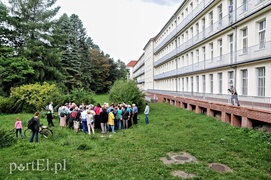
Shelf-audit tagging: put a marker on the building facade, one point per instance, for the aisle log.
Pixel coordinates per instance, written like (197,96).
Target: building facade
(209,44)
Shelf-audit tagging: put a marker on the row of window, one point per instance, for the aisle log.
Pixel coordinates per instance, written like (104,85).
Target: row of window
(194,57)
(195,29)
(187,83)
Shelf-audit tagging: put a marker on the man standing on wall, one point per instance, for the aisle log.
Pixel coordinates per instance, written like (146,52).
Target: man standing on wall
(234,95)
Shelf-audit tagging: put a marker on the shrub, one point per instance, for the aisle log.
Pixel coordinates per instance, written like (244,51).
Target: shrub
(33,96)
(6,138)
(127,91)
(6,105)
(80,96)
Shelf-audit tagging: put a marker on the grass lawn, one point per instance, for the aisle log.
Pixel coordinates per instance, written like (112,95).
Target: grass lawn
(135,153)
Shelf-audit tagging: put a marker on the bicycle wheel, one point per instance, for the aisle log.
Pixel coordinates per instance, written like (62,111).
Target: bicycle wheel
(27,133)
(47,133)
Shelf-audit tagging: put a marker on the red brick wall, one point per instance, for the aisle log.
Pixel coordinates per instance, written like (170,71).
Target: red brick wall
(237,116)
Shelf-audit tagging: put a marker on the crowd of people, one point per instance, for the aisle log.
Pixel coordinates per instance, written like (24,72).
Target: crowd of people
(89,117)
(105,117)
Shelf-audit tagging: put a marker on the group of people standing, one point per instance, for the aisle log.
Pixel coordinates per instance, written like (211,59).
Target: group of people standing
(104,117)
(88,118)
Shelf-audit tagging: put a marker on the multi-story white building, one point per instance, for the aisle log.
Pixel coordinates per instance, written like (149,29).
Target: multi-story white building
(143,69)
(208,44)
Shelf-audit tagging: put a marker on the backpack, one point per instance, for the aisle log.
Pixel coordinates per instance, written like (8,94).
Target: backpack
(62,114)
(31,123)
(74,114)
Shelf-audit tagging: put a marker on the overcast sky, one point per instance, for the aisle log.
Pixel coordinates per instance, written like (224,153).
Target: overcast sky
(121,28)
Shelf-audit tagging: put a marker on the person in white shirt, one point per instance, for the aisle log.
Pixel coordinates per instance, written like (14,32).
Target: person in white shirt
(146,112)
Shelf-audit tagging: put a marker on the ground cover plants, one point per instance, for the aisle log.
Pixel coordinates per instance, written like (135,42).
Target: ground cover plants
(135,153)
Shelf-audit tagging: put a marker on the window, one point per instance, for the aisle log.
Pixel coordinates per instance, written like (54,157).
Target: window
(211,52)
(262,26)
(220,15)
(211,21)
(204,53)
(183,84)
(231,81)
(192,57)
(192,33)
(220,83)
(244,82)
(197,81)
(203,27)
(187,82)
(220,48)
(197,57)
(203,84)
(230,11)
(197,30)
(192,84)
(178,41)
(245,5)
(261,81)
(245,40)
(231,47)
(187,60)
(211,83)
(191,6)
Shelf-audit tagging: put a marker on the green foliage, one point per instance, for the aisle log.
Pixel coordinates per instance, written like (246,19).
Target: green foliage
(80,96)
(33,97)
(127,91)
(6,138)
(35,46)
(6,105)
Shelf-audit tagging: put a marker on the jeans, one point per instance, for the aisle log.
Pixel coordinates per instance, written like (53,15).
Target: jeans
(20,131)
(147,118)
(113,128)
(235,96)
(103,127)
(119,123)
(84,124)
(35,132)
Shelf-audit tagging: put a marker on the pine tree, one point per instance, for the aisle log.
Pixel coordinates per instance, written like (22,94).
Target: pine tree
(34,25)
(14,70)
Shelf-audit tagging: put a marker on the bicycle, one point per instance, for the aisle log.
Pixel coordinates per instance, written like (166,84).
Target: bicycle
(45,131)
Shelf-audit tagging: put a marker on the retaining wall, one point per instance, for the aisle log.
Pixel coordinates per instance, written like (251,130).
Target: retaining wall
(240,116)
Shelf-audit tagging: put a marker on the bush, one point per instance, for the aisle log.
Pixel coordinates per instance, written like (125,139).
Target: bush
(6,105)
(80,96)
(127,91)
(6,138)
(33,97)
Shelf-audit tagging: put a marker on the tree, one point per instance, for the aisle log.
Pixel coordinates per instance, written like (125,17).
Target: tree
(100,71)
(34,25)
(127,91)
(75,57)
(14,69)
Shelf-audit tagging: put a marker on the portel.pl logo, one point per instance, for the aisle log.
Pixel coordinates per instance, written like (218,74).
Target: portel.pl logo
(38,165)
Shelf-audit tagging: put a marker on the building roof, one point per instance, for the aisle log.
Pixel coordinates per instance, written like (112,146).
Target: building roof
(131,63)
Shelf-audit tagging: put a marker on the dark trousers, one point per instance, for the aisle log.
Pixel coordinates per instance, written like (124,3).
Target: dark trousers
(85,127)
(135,118)
(50,122)
(19,131)
(35,133)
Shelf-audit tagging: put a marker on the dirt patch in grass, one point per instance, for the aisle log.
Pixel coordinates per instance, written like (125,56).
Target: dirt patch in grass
(178,158)
(220,167)
(182,174)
